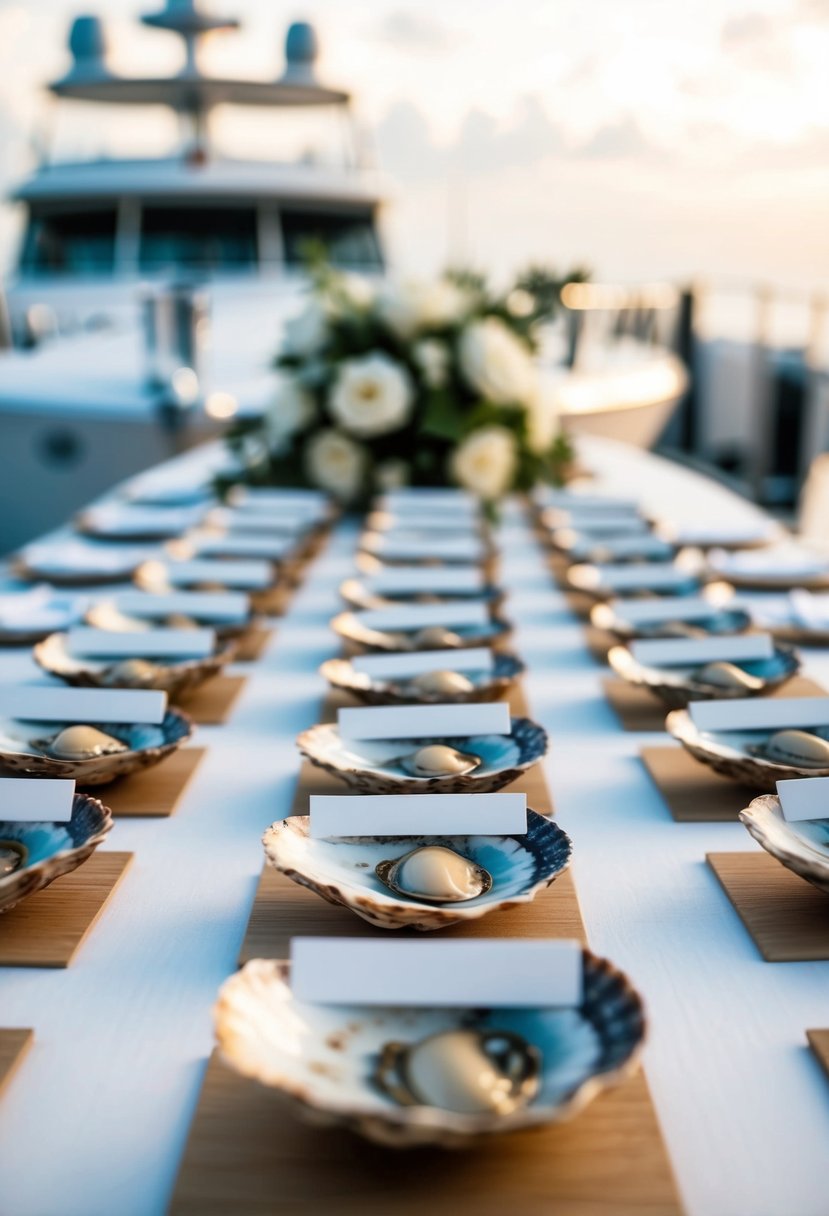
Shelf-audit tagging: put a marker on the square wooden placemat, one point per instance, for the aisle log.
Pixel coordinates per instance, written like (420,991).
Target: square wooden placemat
(638,709)
(693,792)
(14,1044)
(46,929)
(212,702)
(786,916)
(252,645)
(154,792)
(819,1043)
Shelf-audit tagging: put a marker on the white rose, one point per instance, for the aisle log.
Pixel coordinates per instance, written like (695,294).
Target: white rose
(291,410)
(305,333)
(391,474)
(542,422)
(372,395)
(496,363)
(336,463)
(485,462)
(432,357)
(415,304)
(357,290)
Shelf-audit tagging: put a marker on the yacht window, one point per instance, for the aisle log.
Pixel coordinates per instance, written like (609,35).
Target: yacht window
(78,242)
(348,239)
(209,238)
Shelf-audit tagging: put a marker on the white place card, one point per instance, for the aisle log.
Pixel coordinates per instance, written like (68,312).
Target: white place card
(567,500)
(272,549)
(451,613)
(405,664)
(784,565)
(223,606)
(424,519)
(417,580)
(705,535)
(693,651)
(247,576)
(267,496)
(624,546)
(668,608)
(647,575)
(488,972)
(424,721)
(45,801)
(252,523)
(594,523)
(465,548)
(335,815)
(436,496)
(44,703)
(134,520)
(756,713)
(148,643)
(806,798)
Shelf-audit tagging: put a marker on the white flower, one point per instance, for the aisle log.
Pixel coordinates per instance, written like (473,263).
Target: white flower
(432,357)
(414,304)
(391,475)
(496,363)
(372,395)
(485,462)
(542,422)
(336,463)
(357,290)
(305,333)
(290,411)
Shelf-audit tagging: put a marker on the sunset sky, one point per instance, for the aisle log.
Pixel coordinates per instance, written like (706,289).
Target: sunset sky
(644,137)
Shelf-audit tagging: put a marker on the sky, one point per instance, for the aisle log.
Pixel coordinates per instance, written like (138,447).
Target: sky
(645,138)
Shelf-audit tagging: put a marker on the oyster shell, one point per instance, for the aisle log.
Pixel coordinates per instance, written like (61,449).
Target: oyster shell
(796,747)
(435,874)
(129,672)
(435,637)
(80,743)
(469,1072)
(12,856)
(727,675)
(438,760)
(450,683)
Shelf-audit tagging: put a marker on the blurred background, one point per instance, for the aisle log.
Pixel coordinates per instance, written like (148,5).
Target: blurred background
(680,153)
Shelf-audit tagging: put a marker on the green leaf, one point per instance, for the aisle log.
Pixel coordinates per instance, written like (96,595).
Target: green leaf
(441,416)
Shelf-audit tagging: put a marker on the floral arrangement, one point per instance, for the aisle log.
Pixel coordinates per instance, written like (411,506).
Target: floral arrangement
(414,383)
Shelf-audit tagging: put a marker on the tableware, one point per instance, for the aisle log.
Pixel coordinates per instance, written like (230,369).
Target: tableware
(580,546)
(722,621)
(161,577)
(350,627)
(485,685)
(379,547)
(328,1059)
(802,847)
(373,766)
(343,870)
(71,750)
(742,755)
(772,569)
(77,564)
(359,595)
(46,851)
(679,579)
(118,521)
(172,676)
(802,617)
(105,614)
(29,615)
(676,686)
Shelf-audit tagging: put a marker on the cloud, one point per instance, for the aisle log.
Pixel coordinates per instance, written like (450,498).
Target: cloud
(409,30)
(622,140)
(760,41)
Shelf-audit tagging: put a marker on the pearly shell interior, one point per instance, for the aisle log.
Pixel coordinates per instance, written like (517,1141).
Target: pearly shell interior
(438,760)
(80,743)
(796,747)
(435,874)
(128,672)
(435,637)
(726,675)
(442,682)
(470,1072)
(12,856)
